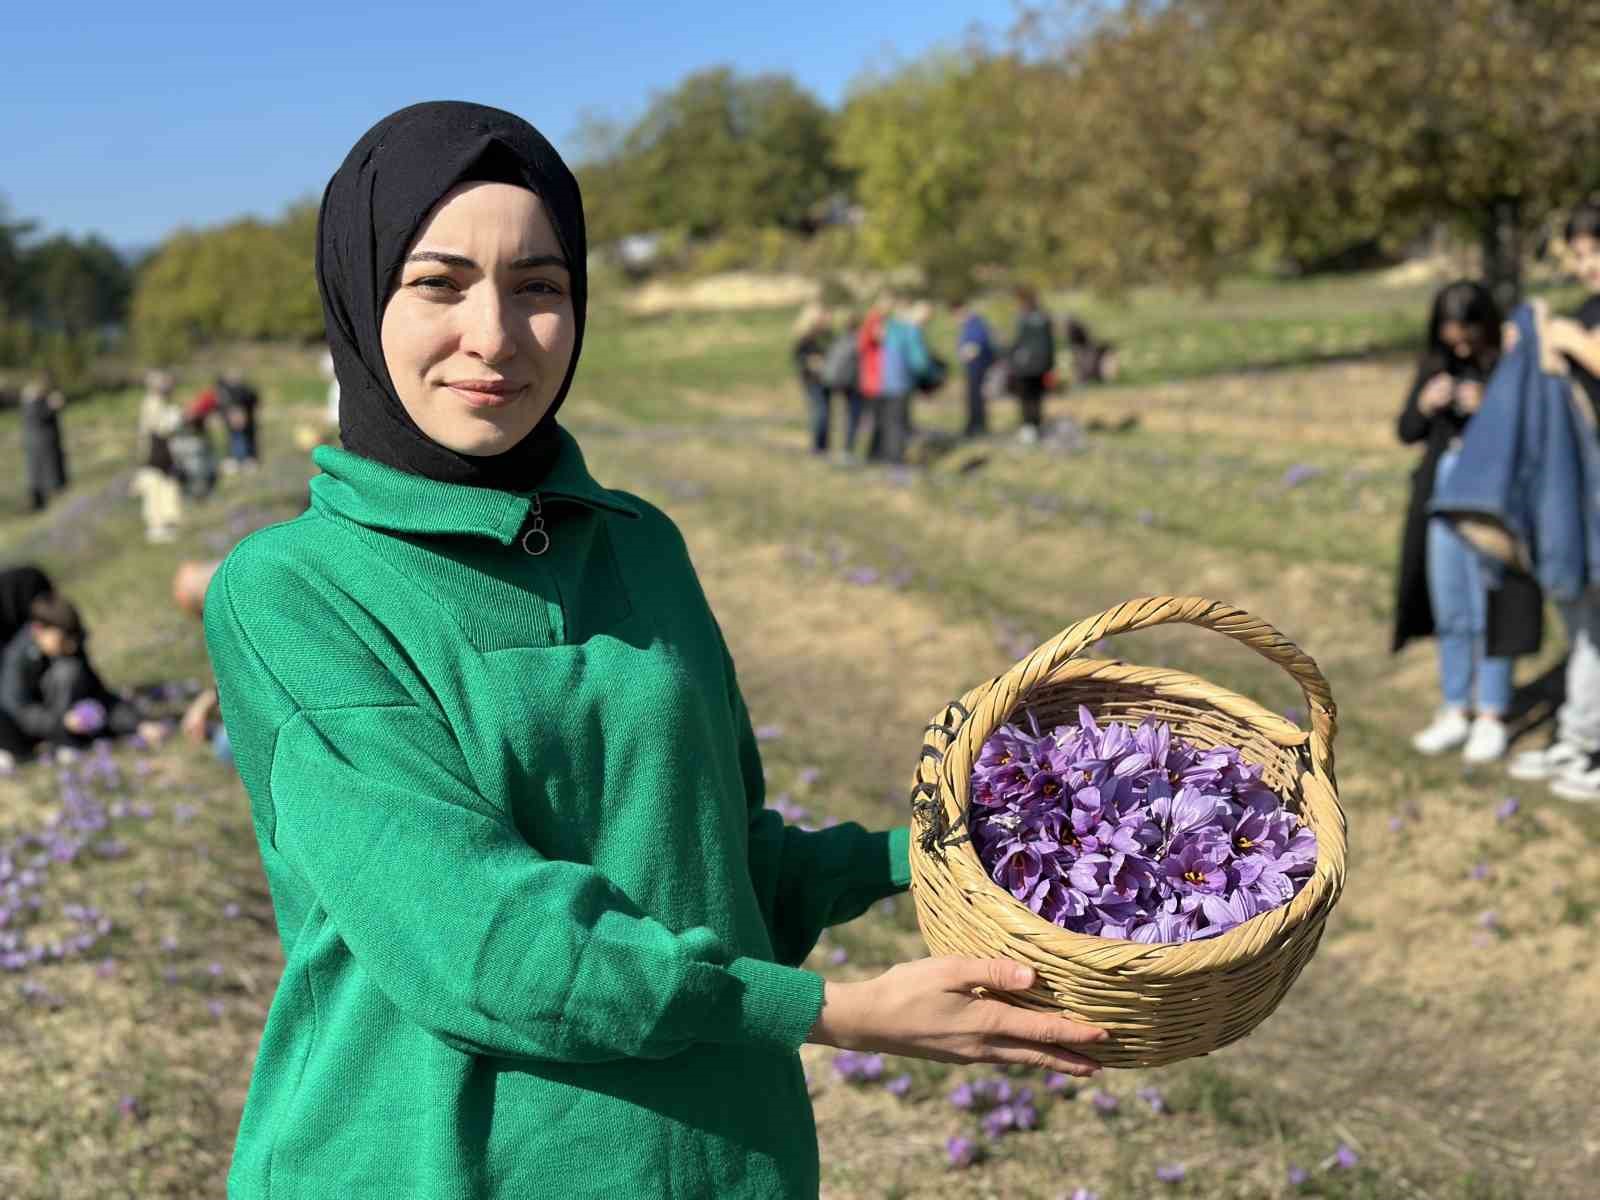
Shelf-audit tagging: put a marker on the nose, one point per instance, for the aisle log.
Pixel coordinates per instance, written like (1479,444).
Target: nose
(486,333)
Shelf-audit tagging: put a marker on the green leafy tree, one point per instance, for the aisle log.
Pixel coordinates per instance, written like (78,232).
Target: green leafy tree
(931,149)
(247,280)
(720,151)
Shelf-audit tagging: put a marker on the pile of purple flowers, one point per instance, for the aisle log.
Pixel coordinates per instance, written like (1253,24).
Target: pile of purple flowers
(1133,833)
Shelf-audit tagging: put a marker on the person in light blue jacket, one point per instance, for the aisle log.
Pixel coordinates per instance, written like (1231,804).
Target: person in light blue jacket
(906,362)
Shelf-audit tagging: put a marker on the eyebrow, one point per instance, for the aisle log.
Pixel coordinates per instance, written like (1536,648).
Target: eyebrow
(461,261)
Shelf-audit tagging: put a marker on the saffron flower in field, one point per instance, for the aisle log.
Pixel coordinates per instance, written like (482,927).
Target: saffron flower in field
(1055,1081)
(999,1121)
(1082,1194)
(899,1087)
(1300,473)
(86,716)
(1133,832)
(961,1151)
(1298,1176)
(1171,1173)
(856,1067)
(962,1096)
(1104,1101)
(1345,1158)
(1154,1098)
(1508,809)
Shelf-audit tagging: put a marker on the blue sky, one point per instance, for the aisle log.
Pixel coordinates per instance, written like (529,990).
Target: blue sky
(130,120)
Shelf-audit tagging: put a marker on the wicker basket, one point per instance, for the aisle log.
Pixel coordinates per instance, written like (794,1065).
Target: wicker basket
(1161,1003)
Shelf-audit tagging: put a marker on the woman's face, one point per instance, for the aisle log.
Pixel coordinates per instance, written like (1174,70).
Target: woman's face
(1461,338)
(1583,254)
(479,330)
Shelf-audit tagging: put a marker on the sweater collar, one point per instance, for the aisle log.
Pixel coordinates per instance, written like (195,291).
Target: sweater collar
(383,497)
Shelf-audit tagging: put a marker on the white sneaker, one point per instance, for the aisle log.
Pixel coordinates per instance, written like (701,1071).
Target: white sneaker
(1579,783)
(1450,729)
(1487,741)
(1556,759)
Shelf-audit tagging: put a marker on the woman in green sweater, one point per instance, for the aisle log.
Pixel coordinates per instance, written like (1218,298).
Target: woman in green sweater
(541,936)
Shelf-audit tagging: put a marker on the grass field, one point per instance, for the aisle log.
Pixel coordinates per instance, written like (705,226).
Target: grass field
(1444,1034)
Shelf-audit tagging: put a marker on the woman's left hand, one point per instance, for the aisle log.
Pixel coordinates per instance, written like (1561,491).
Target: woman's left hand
(1469,396)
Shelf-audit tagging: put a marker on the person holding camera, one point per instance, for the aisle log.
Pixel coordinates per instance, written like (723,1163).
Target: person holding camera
(1443,589)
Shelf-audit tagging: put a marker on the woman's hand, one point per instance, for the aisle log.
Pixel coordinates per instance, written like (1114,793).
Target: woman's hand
(1435,395)
(926,1009)
(1510,335)
(1469,396)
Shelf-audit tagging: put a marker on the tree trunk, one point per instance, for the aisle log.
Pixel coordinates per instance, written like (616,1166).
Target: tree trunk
(1502,251)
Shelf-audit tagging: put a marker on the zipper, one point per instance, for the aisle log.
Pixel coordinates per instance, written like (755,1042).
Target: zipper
(535,541)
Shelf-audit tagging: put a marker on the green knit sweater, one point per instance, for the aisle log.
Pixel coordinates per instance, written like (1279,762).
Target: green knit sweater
(541,937)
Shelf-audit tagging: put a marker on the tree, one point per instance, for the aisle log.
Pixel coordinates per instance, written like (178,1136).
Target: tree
(931,149)
(719,151)
(246,280)
(1188,136)
(76,286)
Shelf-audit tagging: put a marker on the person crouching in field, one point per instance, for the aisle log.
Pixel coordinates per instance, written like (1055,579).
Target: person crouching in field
(1571,763)
(543,936)
(813,332)
(51,695)
(1442,587)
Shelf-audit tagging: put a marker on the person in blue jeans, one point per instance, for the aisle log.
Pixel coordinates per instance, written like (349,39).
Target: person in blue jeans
(1463,347)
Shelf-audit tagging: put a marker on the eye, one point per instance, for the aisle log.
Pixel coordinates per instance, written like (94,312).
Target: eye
(540,287)
(433,283)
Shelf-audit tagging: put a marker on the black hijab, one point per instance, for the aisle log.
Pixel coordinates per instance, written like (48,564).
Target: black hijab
(371,211)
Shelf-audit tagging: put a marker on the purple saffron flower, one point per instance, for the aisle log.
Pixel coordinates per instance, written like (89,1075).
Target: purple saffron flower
(1194,868)
(214,1007)
(962,1096)
(128,1106)
(838,956)
(1300,473)
(1171,1173)
(1345,1158)
(1154,1098)
(1508,809)
(1027,1116)
(214,970)
(1084,1194)
(1104,1102)
(1055,1081)
(999,1121)
(1298,1176)
(1480,871)
(961,1151)
(766,733)
(899,1087)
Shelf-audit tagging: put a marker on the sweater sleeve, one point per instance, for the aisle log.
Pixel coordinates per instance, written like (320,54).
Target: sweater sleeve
(467,929)
(807,880)
(1414,424)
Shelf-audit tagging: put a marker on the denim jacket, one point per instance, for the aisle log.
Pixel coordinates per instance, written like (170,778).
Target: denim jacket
(1525,488)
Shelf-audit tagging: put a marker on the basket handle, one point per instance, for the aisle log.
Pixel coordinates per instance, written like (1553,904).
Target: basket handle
(1146,613)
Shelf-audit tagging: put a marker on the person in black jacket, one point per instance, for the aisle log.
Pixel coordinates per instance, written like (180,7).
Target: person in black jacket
(1031,358)
(45,676)
(1442,585)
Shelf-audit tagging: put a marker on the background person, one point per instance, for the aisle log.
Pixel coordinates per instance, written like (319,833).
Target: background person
(976,349)
(813,332)
(44,456)
(1572,760)
(45,674)
(1443,588)
(1031,358)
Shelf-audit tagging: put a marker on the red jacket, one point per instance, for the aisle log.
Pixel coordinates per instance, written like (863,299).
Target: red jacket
(869,347)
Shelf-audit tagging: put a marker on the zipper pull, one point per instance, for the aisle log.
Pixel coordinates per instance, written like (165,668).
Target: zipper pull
(535,540)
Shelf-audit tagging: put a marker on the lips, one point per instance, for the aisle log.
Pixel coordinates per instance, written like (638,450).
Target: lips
(486,393)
